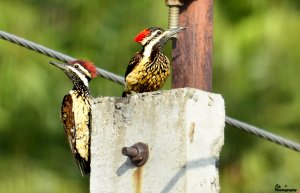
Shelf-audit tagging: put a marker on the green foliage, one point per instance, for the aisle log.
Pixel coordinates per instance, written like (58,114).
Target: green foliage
(256,56)
(256,60)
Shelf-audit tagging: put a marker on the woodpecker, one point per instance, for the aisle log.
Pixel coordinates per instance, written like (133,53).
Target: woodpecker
(76,110)
(149,68)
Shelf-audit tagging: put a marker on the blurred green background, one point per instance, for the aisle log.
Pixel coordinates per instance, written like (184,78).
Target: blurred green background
(255,67)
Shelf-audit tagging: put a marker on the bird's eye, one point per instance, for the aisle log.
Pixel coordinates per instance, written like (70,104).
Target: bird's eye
(76,66)
(159,32)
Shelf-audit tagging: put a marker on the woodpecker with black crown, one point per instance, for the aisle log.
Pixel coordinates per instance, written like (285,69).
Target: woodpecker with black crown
(149,68)
(76,110)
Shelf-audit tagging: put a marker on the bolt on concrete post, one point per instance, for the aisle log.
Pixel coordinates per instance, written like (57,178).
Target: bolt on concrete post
(184,133)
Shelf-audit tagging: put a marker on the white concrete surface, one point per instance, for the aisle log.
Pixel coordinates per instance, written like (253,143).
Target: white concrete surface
(184,129)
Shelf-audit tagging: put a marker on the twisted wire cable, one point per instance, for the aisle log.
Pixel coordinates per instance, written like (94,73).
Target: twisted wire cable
(54,54)
(120,80)
(262,133)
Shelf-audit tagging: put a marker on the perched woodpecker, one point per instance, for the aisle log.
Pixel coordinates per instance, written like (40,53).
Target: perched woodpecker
(149,68)
(76,110)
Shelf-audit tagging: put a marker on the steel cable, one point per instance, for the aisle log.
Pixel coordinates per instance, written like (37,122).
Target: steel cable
(120,80)
(262,133)
(54,54)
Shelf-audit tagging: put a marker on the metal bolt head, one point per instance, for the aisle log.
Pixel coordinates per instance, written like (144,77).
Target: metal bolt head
(130,151)
(138,153)
(174,2)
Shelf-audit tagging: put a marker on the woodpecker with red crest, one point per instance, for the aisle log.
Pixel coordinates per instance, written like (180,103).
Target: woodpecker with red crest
(149,68)
(76,110)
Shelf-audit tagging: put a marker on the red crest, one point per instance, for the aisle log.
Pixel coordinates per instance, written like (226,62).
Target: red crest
(142,35)
(87,65)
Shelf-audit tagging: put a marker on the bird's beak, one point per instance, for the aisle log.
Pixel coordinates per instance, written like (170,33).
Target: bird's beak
(58,65)
(173,31)
(168,34)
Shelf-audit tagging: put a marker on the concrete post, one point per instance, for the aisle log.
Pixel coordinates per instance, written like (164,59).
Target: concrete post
(184,129)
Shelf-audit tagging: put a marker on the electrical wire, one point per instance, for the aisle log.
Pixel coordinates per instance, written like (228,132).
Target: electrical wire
(54,54)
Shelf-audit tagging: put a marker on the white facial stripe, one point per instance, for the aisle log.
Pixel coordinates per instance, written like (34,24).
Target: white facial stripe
(85,71)
(148,47)
(146,39)
(80,75)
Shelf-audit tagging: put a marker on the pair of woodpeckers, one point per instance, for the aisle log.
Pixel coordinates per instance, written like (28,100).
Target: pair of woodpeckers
(146,72)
